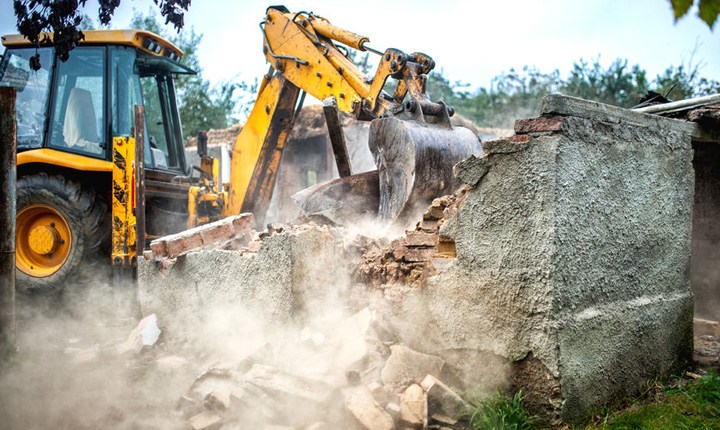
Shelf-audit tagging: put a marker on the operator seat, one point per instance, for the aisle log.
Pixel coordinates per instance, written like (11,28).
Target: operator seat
(80,126)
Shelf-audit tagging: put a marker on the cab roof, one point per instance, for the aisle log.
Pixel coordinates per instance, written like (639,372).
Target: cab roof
(146,41)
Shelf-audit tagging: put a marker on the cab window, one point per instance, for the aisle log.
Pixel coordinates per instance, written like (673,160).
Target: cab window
(78,115)
(32,89)
(126,93)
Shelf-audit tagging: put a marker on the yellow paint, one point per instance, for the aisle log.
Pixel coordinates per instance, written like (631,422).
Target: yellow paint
(63,159)
(192,220)
(43,240)
(124,235)
(133,38)
(325,28)
(319,77)
(246,150)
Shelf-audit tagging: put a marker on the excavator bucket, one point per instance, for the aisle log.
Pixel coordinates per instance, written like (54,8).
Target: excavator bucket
(415,162)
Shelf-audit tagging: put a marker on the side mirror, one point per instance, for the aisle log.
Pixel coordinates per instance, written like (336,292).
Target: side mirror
(202,140)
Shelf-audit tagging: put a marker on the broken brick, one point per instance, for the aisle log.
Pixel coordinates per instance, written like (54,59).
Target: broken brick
(538,125)
(420,239)
(416,255)
(428,226)
(520,138)
(206,236)
(158,248)
(180,244)
(243,223)
(219,232)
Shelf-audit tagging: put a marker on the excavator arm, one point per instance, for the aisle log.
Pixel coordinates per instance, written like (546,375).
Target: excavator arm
(308,53)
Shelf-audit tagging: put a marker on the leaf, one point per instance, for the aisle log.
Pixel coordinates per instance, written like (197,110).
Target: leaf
(709,11)
(680,7)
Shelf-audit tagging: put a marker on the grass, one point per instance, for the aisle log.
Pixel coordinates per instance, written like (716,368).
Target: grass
(501,413)
(681,405)
(693,405)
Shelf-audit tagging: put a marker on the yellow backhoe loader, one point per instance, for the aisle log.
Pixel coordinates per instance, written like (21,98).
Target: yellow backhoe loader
(79,166)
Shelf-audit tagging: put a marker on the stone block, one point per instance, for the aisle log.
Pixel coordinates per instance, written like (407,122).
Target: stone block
(206,421)
(413,407)
(367,412)
(405,366)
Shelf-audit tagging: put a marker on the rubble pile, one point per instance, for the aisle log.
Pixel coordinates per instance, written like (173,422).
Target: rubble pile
(231,233)
(353,375)
(411,258)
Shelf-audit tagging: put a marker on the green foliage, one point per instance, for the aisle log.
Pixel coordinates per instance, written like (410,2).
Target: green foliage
(201,105)
(694,405)
(501,413)
(708,10)
(617,85)
(517,94)
(64,19)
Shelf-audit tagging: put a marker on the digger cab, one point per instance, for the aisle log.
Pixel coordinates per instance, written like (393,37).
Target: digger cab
(68,115)
(79,105)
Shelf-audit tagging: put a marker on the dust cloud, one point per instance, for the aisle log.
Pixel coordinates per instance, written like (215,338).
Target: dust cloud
(78,366)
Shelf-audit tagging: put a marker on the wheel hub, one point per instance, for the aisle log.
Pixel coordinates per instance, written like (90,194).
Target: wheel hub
(44,239)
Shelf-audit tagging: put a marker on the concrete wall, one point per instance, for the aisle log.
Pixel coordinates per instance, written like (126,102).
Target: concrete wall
(275,284)
(573,258)
(705,267)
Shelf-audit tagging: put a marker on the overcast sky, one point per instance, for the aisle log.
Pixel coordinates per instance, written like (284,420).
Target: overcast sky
(471,41)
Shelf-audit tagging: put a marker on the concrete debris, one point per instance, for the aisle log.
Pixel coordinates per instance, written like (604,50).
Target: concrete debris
(270,391)
(284,385)
(442,398)
(146,333)
(362,406)
(205,421)
(379,392)
(413,407)
(231,231)
(217,401)
(220,381)
(442,420)
(409,259)
(405,366)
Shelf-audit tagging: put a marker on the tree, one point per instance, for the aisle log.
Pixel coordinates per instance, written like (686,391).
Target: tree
(201,106)
(618,85)
(63,19)
(516,94)
(708,10)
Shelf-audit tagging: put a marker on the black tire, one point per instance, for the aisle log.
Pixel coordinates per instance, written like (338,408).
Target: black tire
(85,215)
